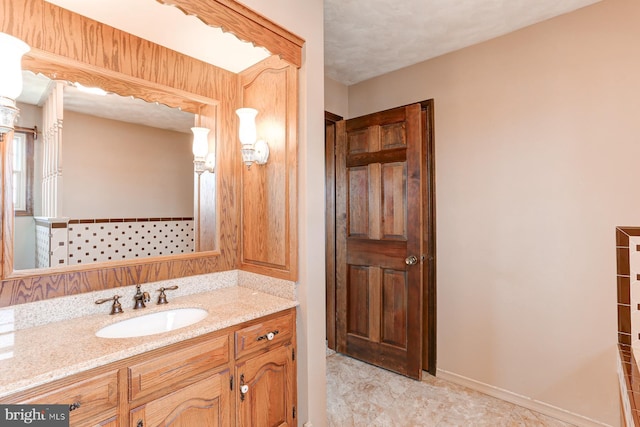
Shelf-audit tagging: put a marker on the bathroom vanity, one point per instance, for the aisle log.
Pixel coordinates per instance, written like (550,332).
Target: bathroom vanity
(237,367)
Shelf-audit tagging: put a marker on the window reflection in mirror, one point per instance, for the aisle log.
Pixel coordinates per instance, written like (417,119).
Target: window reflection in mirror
(123,187)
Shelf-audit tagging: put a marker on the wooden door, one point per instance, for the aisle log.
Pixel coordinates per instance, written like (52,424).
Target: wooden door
(265,396)
(203,404)
(380,164)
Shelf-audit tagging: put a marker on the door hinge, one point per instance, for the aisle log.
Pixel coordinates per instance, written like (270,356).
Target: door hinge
(293,354)
(294,412)
(231,383)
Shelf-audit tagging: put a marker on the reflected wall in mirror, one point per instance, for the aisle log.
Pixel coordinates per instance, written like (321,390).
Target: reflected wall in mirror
(123,183)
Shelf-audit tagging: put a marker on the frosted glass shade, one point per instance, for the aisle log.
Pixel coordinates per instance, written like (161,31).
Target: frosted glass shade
(247,129)
(200,141)
(11,51)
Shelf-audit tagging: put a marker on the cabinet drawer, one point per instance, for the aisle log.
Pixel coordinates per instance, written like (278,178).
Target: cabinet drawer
(177,366)
(256,337)
(89,399)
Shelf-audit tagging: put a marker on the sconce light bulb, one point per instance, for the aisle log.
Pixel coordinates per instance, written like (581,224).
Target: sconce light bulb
(11,70)
(247,128)
(200,141)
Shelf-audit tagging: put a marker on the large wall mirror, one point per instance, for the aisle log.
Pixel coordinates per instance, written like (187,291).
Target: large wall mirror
(110,175)
(126,178)
(74,46)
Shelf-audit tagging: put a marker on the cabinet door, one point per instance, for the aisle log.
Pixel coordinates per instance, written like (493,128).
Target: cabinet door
(265,396)
(203,404)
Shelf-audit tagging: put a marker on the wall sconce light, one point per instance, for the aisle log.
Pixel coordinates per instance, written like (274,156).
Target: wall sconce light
(252,151)
(10,80)
(203,161)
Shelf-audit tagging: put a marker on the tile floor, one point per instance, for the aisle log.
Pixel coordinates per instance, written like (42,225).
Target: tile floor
(361,395)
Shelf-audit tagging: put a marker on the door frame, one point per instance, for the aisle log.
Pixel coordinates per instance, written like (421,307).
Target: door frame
(429,329)
(330,120)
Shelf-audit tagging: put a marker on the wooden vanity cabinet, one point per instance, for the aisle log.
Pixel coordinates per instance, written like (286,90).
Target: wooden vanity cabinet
(265,371)
(197,382)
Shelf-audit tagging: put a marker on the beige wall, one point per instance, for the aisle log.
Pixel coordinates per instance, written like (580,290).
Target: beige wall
(537,145)
(114,169)
(305,18)
(336,97)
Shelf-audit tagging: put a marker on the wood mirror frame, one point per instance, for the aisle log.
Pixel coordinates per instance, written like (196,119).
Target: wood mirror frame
(119,61)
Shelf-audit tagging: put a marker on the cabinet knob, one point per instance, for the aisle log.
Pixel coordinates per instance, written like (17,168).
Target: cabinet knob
(268,336)
(74,406)
(244,388)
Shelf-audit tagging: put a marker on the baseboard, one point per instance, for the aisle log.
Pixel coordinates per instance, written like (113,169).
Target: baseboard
(520,400)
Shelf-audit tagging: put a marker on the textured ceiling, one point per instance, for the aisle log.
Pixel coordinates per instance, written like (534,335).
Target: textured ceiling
(363,38)
(368,38)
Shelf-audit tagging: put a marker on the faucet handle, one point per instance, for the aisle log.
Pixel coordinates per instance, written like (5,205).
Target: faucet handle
(116,307)
(162,298)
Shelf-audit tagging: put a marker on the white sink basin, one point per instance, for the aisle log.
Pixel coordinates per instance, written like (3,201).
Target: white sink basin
(153,323)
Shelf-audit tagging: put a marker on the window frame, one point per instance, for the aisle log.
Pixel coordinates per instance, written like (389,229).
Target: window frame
(28,173)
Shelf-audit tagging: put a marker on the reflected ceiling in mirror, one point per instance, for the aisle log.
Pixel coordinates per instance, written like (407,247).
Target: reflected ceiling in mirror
(112,106)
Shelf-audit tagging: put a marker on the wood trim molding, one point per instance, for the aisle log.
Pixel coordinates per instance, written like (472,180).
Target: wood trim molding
(247,25)
(330,121)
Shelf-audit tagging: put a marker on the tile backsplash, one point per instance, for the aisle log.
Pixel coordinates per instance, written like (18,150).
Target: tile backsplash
(83,241)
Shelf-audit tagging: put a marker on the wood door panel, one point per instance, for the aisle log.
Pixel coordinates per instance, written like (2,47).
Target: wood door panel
(379,296)
(381,118)
(386,156)
(358,142)
(358,301)
(384,253)
(359,202)
(394,308)
(379,354)
(393,135)
(377,305)
(394,201)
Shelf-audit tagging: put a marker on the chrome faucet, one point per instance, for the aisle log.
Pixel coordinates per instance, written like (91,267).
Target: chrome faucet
(140,298)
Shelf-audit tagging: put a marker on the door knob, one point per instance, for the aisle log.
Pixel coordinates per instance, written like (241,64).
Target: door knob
(411,260)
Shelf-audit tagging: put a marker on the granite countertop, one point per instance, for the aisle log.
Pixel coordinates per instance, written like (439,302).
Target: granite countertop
(56,350)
